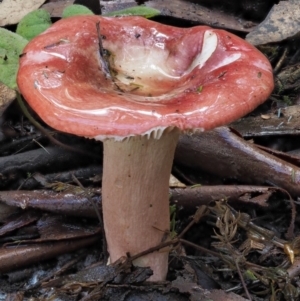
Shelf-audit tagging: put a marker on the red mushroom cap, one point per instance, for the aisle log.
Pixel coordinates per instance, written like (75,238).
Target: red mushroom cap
(162,76)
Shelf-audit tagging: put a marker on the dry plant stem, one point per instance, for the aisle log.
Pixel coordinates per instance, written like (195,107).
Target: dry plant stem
(201,211)
(281,60)
(135,196)
(242,281)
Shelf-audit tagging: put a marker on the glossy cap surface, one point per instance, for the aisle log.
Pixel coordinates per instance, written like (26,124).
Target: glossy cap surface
(160,76)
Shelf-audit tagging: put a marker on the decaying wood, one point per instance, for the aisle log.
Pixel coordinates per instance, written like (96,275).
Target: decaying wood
(194,196)
(31,236)
(222,153)
(15,257)
(86,175)
(78,202)
(44,160)
(73,203)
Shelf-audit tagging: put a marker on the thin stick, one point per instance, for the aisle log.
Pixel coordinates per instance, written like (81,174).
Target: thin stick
(104,63)
(103,59)
(243,281)
(46,133)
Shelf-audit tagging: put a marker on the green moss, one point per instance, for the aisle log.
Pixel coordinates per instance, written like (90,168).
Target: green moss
(34,23)
(11,46)
(140,10)
(75,10)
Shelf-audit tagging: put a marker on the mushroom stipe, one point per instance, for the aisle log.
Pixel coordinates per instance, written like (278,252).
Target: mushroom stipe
(163,80)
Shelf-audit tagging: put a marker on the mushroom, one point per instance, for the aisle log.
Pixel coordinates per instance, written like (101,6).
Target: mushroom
(151,82)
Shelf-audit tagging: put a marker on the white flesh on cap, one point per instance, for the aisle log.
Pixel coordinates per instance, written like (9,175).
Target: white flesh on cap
(210,43)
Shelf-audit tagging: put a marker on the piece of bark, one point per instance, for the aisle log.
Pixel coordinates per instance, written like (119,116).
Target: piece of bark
(57,228)
(220,152)
(48,159)
(15,257)
(288,157)
(85,175)
(36,227)
(80,203)
(192,197)
(6,211)
(15,223)
(69,203)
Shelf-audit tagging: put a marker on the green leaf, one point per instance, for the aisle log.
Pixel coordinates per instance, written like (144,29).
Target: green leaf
(11,46)
(249,275)
(140,10)
(75,10)
(34,23)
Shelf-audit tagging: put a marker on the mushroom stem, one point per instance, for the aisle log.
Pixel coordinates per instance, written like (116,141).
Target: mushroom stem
(135,196)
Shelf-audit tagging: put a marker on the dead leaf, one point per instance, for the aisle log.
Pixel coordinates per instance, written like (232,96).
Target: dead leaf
(174,182)
(7,95)
(196,292)
(200,14)
(56,8)
(265,116)
(281,23)
(285,121)
(12,11)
